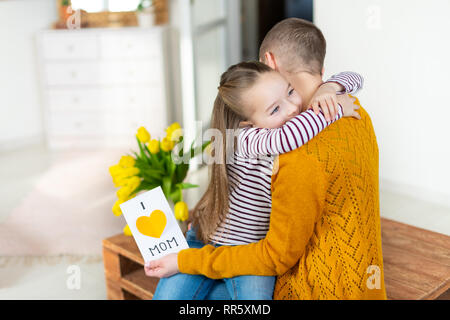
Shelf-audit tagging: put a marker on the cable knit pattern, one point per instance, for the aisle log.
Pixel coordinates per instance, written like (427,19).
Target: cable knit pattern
(346,239)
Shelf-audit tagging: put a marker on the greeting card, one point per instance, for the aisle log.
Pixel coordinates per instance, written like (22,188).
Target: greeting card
(153,225)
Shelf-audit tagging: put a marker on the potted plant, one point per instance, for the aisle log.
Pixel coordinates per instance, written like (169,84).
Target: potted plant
(63,8)
(154,165)
(145,12)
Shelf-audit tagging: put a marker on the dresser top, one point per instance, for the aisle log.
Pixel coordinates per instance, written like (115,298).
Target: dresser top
(157,28)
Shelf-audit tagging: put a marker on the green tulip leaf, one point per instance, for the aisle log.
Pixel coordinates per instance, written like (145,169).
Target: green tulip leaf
(187,185)
(176,195)
(167,186)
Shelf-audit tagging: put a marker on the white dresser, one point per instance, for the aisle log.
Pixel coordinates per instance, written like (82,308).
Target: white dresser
(100,85)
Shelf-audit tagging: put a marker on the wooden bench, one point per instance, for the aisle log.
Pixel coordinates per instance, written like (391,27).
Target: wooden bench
(416,262)
(416,265)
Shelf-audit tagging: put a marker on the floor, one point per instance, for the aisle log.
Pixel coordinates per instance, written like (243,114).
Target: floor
(81,276)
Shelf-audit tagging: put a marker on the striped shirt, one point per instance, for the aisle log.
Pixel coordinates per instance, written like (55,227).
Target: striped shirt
(250,169)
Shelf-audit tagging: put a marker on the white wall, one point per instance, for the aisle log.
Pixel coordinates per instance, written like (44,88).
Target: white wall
(402,49)
(21,116)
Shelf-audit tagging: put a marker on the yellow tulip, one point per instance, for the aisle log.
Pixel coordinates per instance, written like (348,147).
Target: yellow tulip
(174,132)
(116,208)
(143,135)
(115,170)
(128,172)
(208,150)
(124,193)
(127,161)
(153,146)
(133,182)
(127,231)
(119,171)
(119,181)
(167,144)
(173,127)
(181,211)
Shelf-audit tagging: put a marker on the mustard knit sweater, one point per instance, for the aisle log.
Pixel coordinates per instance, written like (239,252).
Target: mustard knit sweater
(324,240)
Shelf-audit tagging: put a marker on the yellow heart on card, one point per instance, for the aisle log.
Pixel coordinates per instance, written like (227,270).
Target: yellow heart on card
(152,226)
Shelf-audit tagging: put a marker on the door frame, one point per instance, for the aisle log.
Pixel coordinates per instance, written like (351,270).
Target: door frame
(187,33)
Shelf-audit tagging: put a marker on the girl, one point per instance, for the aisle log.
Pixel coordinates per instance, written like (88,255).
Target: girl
(264,109)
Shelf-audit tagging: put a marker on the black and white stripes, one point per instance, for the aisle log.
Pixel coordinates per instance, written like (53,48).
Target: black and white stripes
(249,202)
(351,81)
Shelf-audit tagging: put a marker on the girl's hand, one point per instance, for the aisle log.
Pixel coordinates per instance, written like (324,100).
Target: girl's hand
(348,106)
(325,98)
(162,268)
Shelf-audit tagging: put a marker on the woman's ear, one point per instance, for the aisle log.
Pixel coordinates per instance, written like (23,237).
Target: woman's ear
(270,60)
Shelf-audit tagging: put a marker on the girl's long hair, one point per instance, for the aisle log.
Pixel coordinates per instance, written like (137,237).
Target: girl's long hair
(227,113)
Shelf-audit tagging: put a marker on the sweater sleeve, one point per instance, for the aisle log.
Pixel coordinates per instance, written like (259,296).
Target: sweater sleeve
(297,202)
(255,142)
(351,81)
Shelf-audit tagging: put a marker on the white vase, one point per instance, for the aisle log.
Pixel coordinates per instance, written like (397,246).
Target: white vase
(146,18)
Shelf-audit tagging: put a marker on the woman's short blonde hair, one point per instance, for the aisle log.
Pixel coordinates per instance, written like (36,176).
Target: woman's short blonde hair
(297,44)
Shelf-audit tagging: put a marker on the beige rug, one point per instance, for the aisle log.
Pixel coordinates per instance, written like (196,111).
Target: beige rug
(68,209)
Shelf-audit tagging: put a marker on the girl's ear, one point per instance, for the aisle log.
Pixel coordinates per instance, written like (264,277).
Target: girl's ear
(270,60)
(244,124)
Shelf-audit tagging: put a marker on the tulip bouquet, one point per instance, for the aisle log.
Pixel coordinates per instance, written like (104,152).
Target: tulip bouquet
(153,166)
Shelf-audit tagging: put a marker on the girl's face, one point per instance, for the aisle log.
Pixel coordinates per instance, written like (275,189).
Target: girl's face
(271,102)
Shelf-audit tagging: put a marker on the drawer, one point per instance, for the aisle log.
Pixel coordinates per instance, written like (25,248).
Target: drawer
(69,45)
(136,97)
(77,123)
(76,99)
(106,73)
(72,73)
(103,124)
(128,121)
(132,72)
(126,45)
(142,97)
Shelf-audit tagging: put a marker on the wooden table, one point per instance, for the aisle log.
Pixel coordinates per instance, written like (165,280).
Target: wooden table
(416,265)
(416,262)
